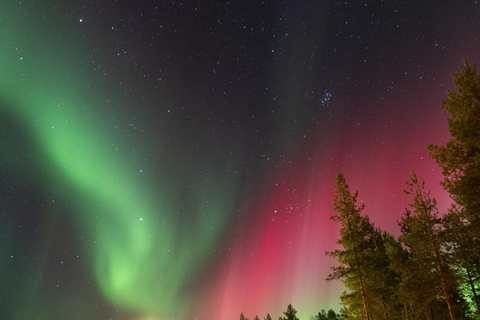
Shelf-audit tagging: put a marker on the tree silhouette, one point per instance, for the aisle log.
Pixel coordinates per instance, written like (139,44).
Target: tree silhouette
(330,315)
(422,233)
(460,162)
(290,314)
(355,235)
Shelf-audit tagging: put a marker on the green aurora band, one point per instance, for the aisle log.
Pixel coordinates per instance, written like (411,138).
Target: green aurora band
(140,261)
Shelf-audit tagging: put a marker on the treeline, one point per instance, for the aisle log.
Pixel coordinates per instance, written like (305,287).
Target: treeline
(432,270)
(291,314)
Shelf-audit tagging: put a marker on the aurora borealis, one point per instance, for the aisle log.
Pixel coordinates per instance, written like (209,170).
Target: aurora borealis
(174,160)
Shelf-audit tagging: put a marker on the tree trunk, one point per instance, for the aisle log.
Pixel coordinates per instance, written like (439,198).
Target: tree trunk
(406,311)
(445,286)
(443,280)
(362,286)
(431,311)
(385,315)
(427,313)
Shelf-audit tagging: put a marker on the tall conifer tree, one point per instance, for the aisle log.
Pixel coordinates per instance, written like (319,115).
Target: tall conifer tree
(423,234)
(460,161)
(355,233)
(460,157)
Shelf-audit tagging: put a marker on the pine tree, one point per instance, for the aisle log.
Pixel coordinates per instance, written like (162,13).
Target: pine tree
(460,162)
(268,317)
(398,259)
(419,285)
(256,318)
(422,233)
(460,158)
(382,281)
(242,317)
(355,233)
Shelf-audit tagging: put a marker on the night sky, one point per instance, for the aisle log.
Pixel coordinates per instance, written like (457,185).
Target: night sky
(175,159)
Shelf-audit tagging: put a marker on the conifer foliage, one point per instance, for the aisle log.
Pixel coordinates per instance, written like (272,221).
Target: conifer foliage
(327,315)
(356,235)
(432,271)
(460,157)
(290,314)
(423,235)
(460,162)
(363,262)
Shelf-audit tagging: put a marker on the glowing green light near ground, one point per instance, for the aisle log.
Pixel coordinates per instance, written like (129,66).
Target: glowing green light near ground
(142,258)
(466,291)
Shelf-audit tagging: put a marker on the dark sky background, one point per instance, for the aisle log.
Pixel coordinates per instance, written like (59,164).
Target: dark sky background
(175,159)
